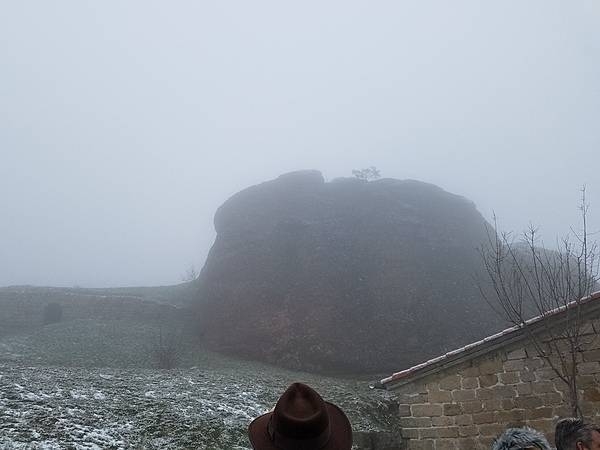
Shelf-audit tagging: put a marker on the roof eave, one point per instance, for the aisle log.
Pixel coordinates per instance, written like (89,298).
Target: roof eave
(484,346)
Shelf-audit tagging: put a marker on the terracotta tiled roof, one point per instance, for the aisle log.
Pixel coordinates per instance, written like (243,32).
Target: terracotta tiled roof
(474,349)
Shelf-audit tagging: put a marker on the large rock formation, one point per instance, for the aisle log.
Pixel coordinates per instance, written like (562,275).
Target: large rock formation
(348,275)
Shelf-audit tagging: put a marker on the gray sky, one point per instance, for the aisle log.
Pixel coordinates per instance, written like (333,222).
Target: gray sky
(124,125)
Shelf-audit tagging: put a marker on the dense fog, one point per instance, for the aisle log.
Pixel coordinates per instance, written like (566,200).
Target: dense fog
(124,126)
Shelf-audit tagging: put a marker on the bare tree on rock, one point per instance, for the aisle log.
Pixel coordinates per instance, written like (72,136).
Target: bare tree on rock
(368,174)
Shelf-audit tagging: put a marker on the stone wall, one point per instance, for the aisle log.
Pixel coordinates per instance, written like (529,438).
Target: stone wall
(465,406)
(23,310)
(377,440)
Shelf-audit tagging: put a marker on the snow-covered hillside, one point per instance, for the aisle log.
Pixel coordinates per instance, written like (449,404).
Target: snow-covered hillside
(204,408)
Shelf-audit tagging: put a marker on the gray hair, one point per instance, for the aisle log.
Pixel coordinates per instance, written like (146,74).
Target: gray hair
(572,430)
(521,438)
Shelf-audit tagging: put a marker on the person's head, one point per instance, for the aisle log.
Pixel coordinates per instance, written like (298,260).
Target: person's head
(521,439)
(301,420)
(575,434)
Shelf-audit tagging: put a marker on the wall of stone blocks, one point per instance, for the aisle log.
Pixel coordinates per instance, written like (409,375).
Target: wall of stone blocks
(465,406)
(19,312)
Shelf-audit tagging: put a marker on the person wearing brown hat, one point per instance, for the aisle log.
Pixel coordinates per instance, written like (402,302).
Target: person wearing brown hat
(301,420)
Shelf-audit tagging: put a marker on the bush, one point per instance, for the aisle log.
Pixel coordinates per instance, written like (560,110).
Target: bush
(166,350)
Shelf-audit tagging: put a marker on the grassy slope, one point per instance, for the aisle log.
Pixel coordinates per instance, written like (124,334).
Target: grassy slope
(206,405)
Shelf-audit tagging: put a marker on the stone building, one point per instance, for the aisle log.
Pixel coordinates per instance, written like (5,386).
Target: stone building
(464,398)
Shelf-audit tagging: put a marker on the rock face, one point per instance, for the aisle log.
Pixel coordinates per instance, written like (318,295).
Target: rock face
(352,276)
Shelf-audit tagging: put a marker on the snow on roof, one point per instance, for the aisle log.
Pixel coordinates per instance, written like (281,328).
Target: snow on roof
(471,349)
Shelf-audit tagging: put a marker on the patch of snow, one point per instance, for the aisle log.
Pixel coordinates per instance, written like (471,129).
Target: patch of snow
(78,395)
(31,397)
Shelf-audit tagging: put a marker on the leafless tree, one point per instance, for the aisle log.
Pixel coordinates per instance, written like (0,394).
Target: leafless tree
(531,284)
(368,174)
(190,274)
(166,349)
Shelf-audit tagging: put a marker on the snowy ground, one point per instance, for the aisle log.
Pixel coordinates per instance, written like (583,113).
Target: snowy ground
(208,407)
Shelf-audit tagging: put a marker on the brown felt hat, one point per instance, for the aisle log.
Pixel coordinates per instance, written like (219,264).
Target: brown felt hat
(301,420)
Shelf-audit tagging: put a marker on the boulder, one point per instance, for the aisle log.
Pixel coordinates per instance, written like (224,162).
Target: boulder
(344,276)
